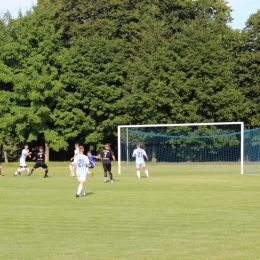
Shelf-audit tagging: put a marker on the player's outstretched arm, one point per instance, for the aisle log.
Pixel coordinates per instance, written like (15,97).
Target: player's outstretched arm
(28,154)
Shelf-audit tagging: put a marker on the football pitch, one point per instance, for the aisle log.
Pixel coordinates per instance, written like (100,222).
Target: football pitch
(176,214)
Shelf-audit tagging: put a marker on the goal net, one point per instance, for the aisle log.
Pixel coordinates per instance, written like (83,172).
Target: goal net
(198,147)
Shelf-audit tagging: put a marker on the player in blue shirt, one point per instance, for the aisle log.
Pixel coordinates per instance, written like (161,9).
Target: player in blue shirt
(23,166)
(139,155)
(92,162)
(81,162)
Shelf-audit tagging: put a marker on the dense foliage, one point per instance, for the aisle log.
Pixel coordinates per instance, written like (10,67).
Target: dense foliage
(73,70)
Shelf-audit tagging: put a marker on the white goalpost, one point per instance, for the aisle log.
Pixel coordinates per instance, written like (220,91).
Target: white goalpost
(125,130)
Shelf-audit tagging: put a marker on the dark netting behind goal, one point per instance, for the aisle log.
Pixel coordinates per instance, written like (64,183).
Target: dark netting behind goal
(217,148)
(252,151)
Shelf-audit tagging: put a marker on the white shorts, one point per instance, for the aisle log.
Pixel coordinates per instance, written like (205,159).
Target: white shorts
(82,177)
(138,165)
(22,163)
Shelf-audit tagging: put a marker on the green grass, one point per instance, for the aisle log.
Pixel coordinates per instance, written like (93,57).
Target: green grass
(176,214)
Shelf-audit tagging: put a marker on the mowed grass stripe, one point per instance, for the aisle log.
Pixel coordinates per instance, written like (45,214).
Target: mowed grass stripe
(172,215)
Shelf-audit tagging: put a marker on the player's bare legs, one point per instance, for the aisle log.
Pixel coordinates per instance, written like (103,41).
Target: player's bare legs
(90,173)
(72,174)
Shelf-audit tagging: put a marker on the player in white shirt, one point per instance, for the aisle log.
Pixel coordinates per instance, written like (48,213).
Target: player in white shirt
(76,152)
(139,155)
(81,161)
(23,166)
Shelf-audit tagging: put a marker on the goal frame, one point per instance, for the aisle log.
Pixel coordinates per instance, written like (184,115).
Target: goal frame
(119,127)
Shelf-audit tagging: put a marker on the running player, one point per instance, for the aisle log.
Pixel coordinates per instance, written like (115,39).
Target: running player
(81,162)
(76,152)
(23,166)
(40,162)
(92,162)
(107,156)
(139,155)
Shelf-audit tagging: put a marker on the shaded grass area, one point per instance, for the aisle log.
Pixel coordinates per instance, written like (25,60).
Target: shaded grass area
(176,214)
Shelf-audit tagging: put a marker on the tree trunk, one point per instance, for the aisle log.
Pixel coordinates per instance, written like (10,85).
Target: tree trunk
(47,152)
(5,153)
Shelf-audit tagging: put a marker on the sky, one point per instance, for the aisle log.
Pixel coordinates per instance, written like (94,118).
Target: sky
(242,9)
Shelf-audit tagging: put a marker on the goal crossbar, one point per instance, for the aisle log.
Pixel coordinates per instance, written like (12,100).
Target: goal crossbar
(119,127)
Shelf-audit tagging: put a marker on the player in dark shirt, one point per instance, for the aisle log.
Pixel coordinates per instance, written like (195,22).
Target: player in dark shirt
(106,155)
(40,162)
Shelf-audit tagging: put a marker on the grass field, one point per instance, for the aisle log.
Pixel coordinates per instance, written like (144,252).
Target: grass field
(176,214)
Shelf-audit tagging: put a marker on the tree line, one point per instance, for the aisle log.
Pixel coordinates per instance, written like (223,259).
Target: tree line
(72,70)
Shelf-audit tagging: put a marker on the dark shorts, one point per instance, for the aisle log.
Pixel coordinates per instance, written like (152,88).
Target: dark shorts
(107,167)
(37,165)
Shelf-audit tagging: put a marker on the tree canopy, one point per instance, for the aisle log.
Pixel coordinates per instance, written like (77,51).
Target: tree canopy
(73,70)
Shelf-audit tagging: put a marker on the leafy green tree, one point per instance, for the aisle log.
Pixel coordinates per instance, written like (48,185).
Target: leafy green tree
(198,70)
(30,53)
(247,69)
(7,133)
(79,68)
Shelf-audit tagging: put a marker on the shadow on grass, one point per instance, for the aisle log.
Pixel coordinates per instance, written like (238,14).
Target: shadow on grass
(90,193)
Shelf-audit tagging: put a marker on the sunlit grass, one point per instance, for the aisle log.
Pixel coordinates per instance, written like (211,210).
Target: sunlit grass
(178,213)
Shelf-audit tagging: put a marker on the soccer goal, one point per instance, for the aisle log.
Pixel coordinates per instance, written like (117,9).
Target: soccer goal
(202,147)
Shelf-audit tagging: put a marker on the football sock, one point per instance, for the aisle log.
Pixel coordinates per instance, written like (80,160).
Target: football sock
(105,174)
(138,174)
(147,174)
(20,169)
(83,191)
(32,171)
(111,176)
(79,188)
(46,172)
